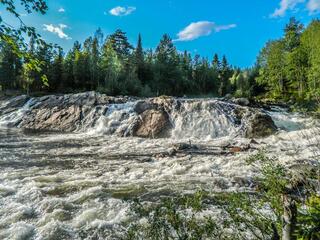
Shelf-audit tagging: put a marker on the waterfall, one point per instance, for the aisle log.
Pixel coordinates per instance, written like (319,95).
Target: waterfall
(206,119)
(116,119)
(11,117)
(190,118)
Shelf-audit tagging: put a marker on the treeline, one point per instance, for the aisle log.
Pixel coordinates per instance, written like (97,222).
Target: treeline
(114,66)
(287,68)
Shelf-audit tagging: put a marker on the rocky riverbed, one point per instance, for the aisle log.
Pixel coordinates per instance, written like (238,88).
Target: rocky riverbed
(148,118)
(69,162)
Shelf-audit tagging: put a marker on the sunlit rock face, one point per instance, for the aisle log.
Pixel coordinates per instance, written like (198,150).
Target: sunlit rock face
(153,124)
(148,118)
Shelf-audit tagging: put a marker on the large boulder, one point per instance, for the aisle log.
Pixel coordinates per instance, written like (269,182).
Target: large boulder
(64,119)
(144,105)
(259,125)
(66,113)
(153,124)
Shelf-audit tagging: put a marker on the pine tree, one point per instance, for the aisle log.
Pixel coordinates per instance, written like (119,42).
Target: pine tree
(10,67)
(216,62)
(292,35)
(56,75)
(120,44)
(215,75)
(167,76)
(186,72)
(94,63)
(225,74)
(139,61)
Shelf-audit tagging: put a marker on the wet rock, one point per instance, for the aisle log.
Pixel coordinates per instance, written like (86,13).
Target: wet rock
(260,125)
(149,118)
(228,96)
(143,106)
(164,102)
(65,119)
(236,149)
(80,99)
(66,113)
(185,146)
(241,101)
(239,113)
(153,124)
(13,103)
(253,141)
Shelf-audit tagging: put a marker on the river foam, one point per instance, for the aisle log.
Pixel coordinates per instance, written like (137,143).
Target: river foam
(73,186)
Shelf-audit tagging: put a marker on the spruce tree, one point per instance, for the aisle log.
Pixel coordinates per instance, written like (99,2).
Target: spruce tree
(139,61)
(120,44)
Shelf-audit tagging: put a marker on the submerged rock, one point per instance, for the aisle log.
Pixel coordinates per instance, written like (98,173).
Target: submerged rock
(260,125)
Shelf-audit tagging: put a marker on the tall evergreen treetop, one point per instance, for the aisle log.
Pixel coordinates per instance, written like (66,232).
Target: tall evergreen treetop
(292,31)
(139,55)
(165,50)
(120,44)
(216,61)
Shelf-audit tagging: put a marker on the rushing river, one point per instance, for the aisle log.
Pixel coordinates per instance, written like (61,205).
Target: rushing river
(74,186)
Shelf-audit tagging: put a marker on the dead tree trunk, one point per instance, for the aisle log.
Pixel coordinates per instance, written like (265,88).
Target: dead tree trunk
(289,218)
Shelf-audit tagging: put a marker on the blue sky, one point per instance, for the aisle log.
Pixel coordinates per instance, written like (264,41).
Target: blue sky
(236,28)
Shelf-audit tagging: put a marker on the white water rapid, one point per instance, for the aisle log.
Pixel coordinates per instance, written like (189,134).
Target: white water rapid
(72,185)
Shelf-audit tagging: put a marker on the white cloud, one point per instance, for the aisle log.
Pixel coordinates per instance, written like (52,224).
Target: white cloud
(199,29)
(313,6)
(61,10)
(284,6)
(122,11)
(58,30)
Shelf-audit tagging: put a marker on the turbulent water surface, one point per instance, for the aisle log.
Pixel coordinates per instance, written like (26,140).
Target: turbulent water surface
(73,186)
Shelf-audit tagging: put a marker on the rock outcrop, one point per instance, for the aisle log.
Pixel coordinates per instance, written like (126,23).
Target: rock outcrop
(260,125)
(153,124)
(13,104)
(124,116)
(64,113)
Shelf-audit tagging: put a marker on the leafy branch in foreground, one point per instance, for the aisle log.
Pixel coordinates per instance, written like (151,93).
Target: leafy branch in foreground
(288,195)
(29,6)
(174,218)
(281,207)
(309,219)
(14,36)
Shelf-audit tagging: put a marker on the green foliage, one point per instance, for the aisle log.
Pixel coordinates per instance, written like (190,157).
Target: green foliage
(173,218)
(114,67)
(15,36)
(309,219)
(29,6)
(245,215)
(273,181)
(286,68)
(290,66)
